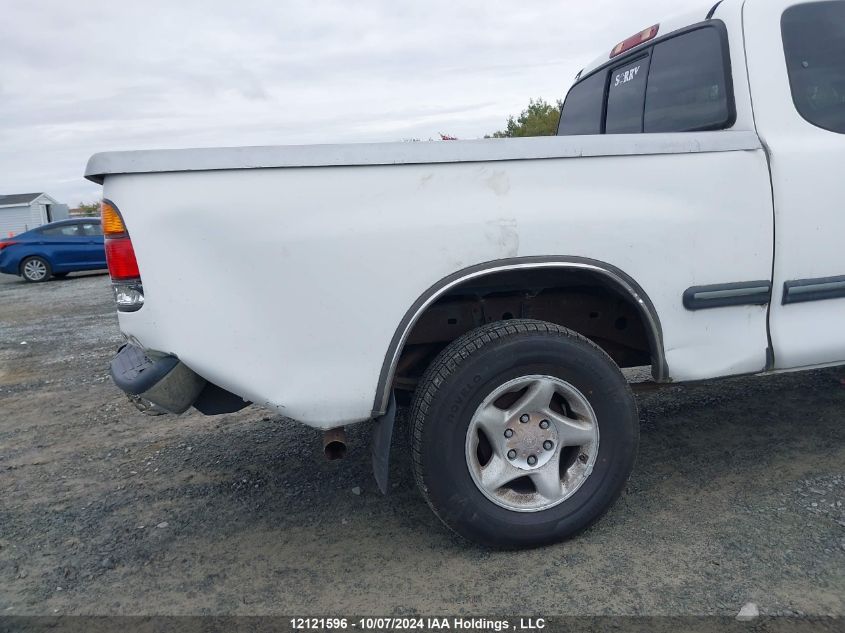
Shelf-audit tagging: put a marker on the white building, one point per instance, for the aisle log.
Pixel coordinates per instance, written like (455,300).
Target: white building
(24,211)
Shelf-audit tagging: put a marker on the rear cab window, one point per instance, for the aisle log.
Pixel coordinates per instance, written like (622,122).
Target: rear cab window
(679,83)
(689,84)
(814,46)
(583,108)
(625,97)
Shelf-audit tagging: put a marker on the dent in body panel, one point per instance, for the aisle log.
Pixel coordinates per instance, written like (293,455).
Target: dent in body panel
(503,234)
(701,353)
(419,235)
(498,182)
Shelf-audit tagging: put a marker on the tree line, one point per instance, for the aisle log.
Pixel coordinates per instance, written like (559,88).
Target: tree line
(538,119)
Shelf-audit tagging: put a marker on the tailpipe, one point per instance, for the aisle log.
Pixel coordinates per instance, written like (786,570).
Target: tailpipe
(334,443)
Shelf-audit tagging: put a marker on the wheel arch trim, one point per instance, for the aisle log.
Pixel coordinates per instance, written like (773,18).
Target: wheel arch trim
(610,273)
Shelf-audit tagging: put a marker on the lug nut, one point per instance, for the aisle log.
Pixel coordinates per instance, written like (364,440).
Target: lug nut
(511,454)
(583,458)
(548,445)
(532,460)
(524,418)
(544,424)
(508,432)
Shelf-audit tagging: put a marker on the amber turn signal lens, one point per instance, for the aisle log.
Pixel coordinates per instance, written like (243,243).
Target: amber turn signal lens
(112,222)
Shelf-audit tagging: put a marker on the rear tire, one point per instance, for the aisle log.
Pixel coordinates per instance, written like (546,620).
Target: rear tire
(36,269)
(523,433)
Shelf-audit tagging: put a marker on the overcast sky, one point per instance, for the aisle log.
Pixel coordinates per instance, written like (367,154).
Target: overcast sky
(91,75)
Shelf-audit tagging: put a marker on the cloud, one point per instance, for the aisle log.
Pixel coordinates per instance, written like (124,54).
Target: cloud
(77,78)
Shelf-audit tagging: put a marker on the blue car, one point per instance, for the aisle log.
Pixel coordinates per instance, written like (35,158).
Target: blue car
(54,250)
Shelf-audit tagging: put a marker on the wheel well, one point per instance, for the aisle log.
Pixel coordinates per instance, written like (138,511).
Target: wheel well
(589,301)
(24,259)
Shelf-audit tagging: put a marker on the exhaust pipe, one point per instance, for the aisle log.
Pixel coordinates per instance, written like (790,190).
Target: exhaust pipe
(334,443)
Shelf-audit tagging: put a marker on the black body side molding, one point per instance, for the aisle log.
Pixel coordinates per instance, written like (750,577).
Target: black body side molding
(753,293)
(818,289)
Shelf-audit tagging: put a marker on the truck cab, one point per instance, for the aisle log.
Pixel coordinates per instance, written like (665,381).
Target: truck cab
(774,69)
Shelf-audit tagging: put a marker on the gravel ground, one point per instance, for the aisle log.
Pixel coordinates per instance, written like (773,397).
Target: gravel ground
(737,497)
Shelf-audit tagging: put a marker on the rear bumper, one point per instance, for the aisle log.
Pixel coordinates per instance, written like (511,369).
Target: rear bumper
(9,265)
(163,380)
(169,384)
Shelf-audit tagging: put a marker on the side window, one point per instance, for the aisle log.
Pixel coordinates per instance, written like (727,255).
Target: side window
(625,97)
(66,230)
(688,86)
(582,110)
(91,229)
(814,45)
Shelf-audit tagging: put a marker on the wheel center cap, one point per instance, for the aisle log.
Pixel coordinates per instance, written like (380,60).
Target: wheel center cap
(528,445)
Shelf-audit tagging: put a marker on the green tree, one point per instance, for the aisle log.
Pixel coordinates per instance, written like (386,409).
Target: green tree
(538,119)
(89,208)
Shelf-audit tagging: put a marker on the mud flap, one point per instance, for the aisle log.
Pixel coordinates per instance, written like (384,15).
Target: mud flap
(382,434)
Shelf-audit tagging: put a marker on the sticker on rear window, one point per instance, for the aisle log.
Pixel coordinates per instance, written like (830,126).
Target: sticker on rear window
(626,76)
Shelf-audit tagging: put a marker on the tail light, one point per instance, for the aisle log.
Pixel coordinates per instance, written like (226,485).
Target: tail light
(635,40)
(120,257)
(7,243)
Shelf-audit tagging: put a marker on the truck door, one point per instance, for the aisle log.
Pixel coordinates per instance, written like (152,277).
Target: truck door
(796,64)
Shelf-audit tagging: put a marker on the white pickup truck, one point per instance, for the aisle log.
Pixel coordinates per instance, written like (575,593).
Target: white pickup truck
(689,216)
